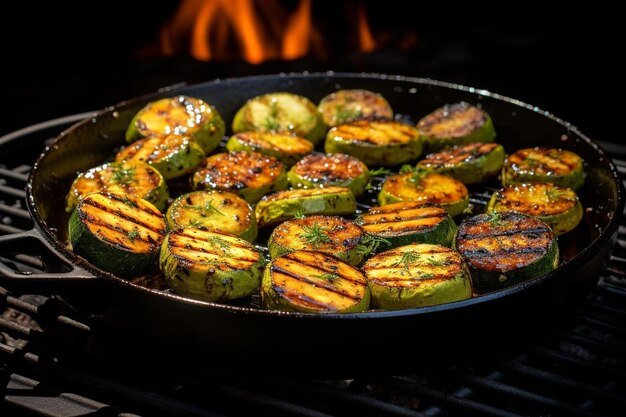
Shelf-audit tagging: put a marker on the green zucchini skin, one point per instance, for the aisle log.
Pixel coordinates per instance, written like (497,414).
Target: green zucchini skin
(328,234)
(314,282)
(210,266)
(339,170)
(429,187)
(375,142)
(470,164)
(287,149)
(409,222)
(281,112)
(123,177)
(555,166)
(455,124)
(285,205)
(503,249)
(251,175)
(345,106)
(180,115)
(218,211)
(117,233)
(557,206)
(417,275)
(173,156)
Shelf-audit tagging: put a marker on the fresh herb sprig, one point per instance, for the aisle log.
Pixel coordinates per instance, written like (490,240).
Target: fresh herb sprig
(370,244)
(315,235)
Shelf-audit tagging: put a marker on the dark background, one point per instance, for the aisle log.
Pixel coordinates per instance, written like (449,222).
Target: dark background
(563,61)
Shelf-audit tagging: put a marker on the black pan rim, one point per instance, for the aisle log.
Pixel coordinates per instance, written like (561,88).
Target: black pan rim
(602,239)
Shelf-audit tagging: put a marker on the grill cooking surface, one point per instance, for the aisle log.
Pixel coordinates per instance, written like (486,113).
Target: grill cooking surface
(48,360)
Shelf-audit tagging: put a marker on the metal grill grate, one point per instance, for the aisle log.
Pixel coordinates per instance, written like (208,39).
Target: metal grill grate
(47,368)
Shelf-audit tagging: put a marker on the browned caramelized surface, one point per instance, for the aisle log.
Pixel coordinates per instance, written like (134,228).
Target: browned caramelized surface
(544,161)
(236,170)
(332,167)
(431,188)
(458,155)
(177,115)
(456,120)
(375,133)
(153,149)
(536,199)
(348,105)
(341,234)
(275,142)
(294,194)
(409,217)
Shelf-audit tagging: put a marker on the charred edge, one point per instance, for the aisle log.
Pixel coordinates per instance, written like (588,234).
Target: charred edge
(90,219)
(483,253)
(537,230)
(305,300)
(175,243)
(404,219)
(451,262)
(124,216)
(391,253)
(293,257)
(186,232)
(317,284)
(122,200)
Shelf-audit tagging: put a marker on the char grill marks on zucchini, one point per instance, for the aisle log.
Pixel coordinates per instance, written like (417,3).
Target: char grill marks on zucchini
(319,170)
(346,106)
(286,148)
(314,282)
(556,166)
(506,248)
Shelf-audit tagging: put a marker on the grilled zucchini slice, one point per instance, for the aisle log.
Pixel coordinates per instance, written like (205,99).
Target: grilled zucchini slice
(557,206)
(314,282)
(425,187)
(455,124)
(340,170)
(503,249)
(218,211)
(417,275)
(251,175)
(285,205)
(180,115)
(118,233)
(375,142)
(173,155)
(334,235)
(409,222)
(285,148)
(133,178)
(281,112)
(345,106)
(555,166)
(470,164)
(210,266)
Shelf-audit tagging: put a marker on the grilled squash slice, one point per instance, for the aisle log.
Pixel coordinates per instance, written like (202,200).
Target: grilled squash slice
(557,206)
(345,106)
(179,115)
(455,124)
(555,166)
(210,266)
(285,205)
(132,178)
(334,235)
(218,211)
(251,175)
(340,170)
(409,222)
(470,164)
(503,249)
(375,142)
(426,187)
(314,282)
(285,148)
(118,233)
(281,113)
(417,275)
(173,155)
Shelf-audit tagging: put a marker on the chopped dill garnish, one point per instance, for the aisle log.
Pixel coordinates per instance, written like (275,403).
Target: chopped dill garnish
(405,169)
(123,175)
(217,242)
(370,244)
(345,114)
(133,234)
(210,208)
(326,276)
(495,218)
(556,194)
(435,262)
(531,161)
(271,121)
(407,259)
(425,276)
(418,174)
(314,235)
(129,202)
(379,171)
(299,213)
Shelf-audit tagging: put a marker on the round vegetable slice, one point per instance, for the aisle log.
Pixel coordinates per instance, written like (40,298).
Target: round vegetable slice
(118,233)
(173,155)
(409,222)
(556,166)
(345,106)
(333,235)
(340,170)
(375,142)
(426,187)
(456,124)
(503,249)
(210,266)
(281,112)
(133,178)
(285,205)
(287,149)
(218,211)
(314,282)
(557,206)
(417,275)
(470,164)
(251,175)
(180,115)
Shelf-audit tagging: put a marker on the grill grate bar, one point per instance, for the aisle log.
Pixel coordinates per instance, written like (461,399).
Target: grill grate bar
(15,192)
(572,361)
(19,212)
(6,229)
(14,175)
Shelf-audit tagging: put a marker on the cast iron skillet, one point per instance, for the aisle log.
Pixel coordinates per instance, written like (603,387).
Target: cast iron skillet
(233,336)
